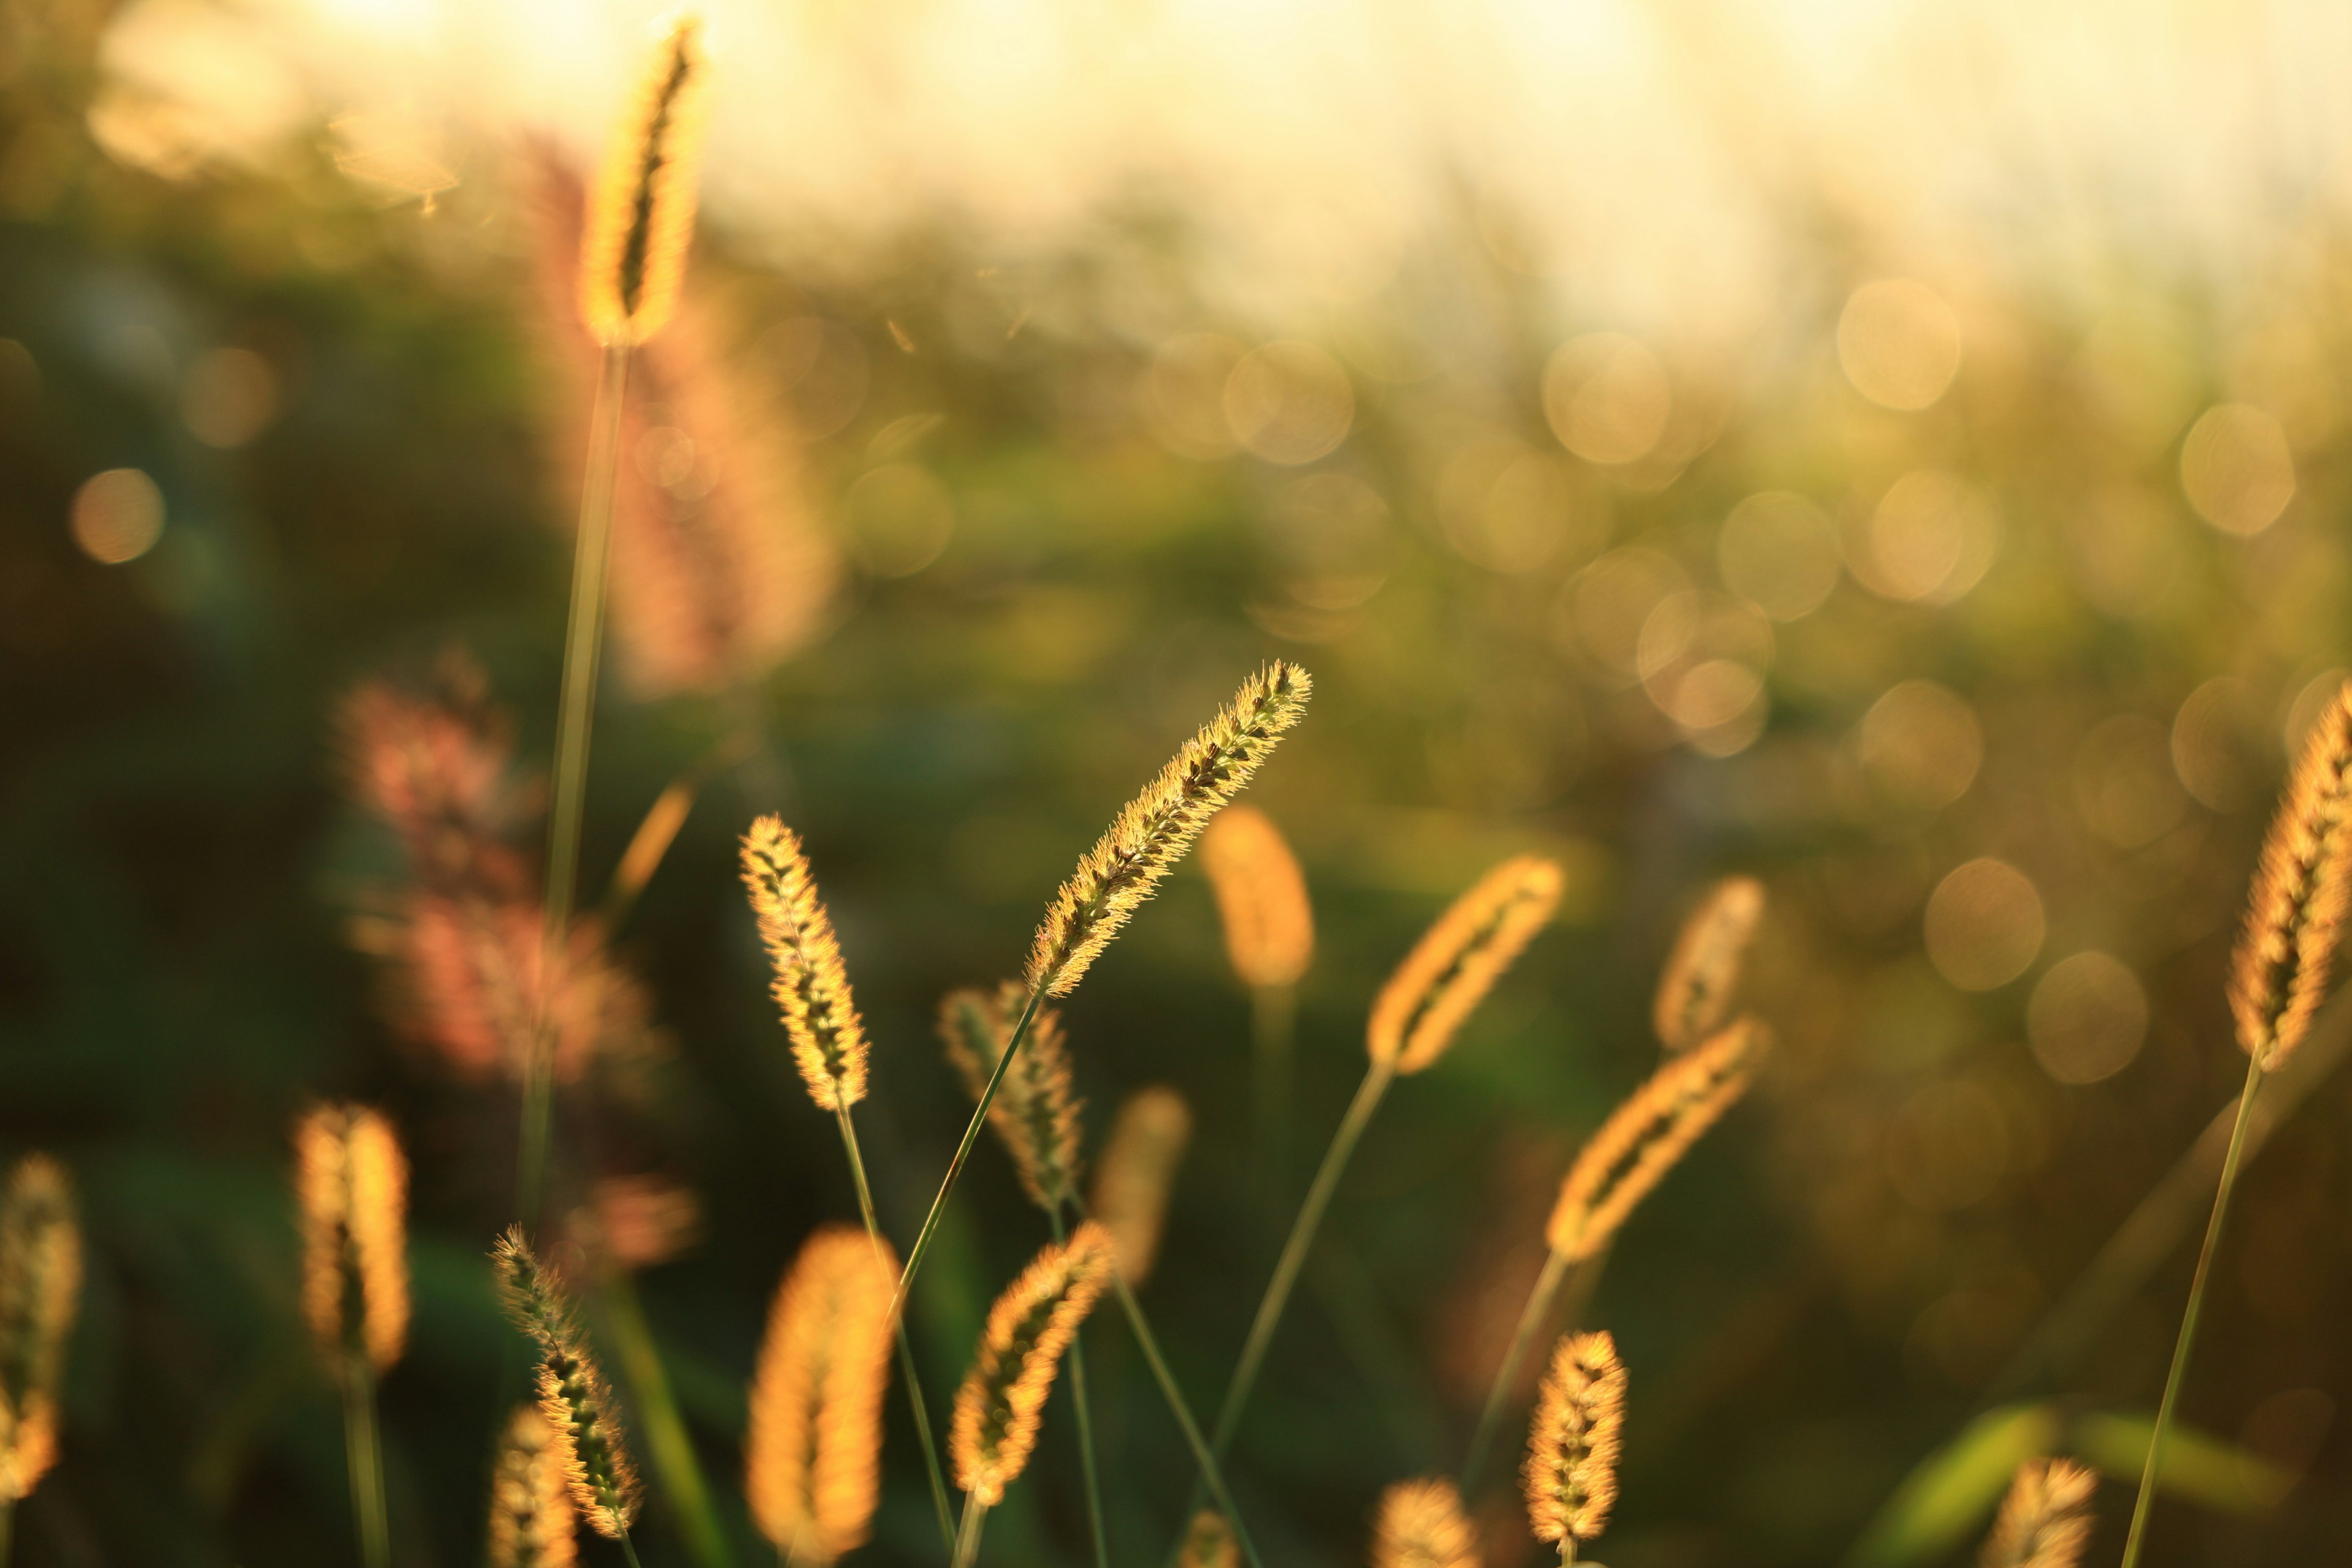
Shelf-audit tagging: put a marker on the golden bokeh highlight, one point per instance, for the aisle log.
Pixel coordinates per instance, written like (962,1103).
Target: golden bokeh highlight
(1931,538)
(1607,397)
(2213,745)
(228,397)
(1604,607)
(2087,1018)
(1984,925)
(1920,745)
(1508,508)
(117,516)
(900,517)
(1899,344)
(2236,469)
(1288,403)
(1780,553)
(1702,658)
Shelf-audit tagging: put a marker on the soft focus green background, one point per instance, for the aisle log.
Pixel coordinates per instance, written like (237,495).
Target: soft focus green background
(1081,539)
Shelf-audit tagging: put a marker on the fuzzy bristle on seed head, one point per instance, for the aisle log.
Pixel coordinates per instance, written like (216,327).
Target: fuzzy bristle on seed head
(1457,960)
(572,1393)
(1137,1171)
(811,1457)
(40,1282)
(2294,920)
(811,988)
(1155,828)
(531,1522)
(1649,1133)
(1421,1525)
(641,212)
(1208,1543)
(1261,897)
(1571,1474)
(1035,1111)
(997,1410)
(1694,989)
(352,1182)
(438,768)
(2046,1522)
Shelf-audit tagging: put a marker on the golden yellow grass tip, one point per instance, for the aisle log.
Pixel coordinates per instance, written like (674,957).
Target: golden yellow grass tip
(811,986)
(997,1410)
(1035,1112)
(1262,900)
(40,1281)
(352,1182)
(1458,960)
(1208,1543)
(1421,1525)
(1649,1133)
(1136,1173)
(2046,1522)
(641,211)
(572,1393)
(1155,828)
(1571,1474)
(2294,919)
(531,1522)
(1696,988)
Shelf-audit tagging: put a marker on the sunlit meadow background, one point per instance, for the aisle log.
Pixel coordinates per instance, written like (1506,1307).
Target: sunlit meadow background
(1899,450)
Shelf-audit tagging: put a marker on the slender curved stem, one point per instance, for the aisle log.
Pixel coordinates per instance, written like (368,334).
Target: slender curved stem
(906,1351)
(366,1459)
(629,1551)
(666,1442)
(967,1541)
(1507,1376)
(583,640)
(1086,1458)
(2173,1379)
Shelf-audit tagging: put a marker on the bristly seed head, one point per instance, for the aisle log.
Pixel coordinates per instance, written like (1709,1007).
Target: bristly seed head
(811,988)
(1208,1543)
(1035,1111)
(1136,1171)
(1155,829)
(2046,1522)
(572,1393)
(531,1522)
(641,213)
(1694,989)
(352,1182)
(1003,1399)
(2294,920)
(1571,1475)
(1457,960)
(1422,1525)
(40,1282)
(1261,897)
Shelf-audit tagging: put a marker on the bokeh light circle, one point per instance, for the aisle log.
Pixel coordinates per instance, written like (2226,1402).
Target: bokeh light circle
(1984,925)
(1780,553)
(1288,403)
(2087,1018)
(1607,397)
(117,516)
(2236,470)
(1899,344)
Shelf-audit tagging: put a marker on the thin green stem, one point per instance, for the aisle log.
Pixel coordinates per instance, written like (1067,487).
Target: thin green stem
(1272,1016)
(629,1551)
(967,1541)
(8,1529)
(2173,1379)
(582,640)
(366,1459)
(1086,1461)
(666,1442)
(1507,1376)
(906,1351)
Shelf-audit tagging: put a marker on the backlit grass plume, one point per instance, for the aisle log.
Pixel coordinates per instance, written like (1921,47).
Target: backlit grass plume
(1421,1525)
(1261,897)
(1458,960)
(1138,1169)
(40,1282)
(531,1522)
(811,1457)
(811,986)
(641,212)
(2046,1522)
(572,1393)
(1208,1543)
(1159,825)
(1695,990)
(1003,1400)
(1035,1111)
(2294,920)
(352,1182)
(1571,1474)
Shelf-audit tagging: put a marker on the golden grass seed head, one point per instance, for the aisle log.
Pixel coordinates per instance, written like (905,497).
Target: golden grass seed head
(2294,917)
(1035,1111)
(572,1394)
(1003,1400)
(2046,1522)
(811,988)
(40,1284)
(812,1453)
(1696,988)
(353,1183)
(1571,1474)
(1457,960)
(1649,1133)
(1262,901)
(1155,829)
(532,1521)
(1208,1543)
(1421,1525)
(641,213)
(1136,1173)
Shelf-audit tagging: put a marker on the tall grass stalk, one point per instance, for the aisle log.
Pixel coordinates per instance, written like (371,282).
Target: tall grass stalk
(667,1441)
(1507,1376)
(967,1541)
(1087,1461)
(365,1457)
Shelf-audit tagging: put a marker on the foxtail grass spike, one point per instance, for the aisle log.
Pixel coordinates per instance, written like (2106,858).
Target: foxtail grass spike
(2046,1522)
(1648,1134)
(1571,1475)
(1458,960)
(531,1522)
(1208,1543)
(641,212)
(40,1283)
(1696,988)
(1003,1400)
(352,1181)
(1155,829)
(1035,1111)
(1261,897)
(572,1393)
(1422,1525)
(1136,1173)
(2294,920)
(812,1457)
(811,986)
